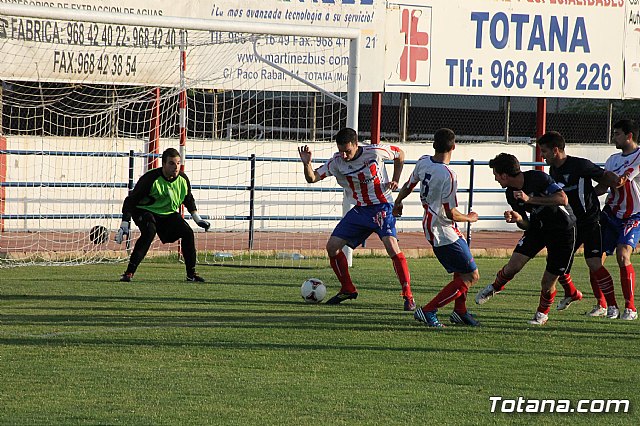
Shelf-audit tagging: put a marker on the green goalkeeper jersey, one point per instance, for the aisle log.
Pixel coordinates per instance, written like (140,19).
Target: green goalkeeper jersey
(157,194)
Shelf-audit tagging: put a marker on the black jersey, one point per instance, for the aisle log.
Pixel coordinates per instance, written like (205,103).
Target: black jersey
(545,218)
(575,177)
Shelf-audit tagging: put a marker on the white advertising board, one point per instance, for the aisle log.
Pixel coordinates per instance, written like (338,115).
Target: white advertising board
(537,48)
(632,50)
(552,48)
(72,40)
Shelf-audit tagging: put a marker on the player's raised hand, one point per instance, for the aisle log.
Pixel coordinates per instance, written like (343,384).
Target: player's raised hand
(122,231)
(305,154)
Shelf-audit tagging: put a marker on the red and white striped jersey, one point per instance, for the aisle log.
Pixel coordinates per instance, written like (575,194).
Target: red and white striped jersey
(625,201)
(365,177)
(438,187)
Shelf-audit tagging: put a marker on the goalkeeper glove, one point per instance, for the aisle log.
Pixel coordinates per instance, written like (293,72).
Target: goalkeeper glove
(200,221)
(124,230)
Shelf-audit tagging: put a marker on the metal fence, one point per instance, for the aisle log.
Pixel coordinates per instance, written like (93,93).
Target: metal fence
(492,118)
(55,109)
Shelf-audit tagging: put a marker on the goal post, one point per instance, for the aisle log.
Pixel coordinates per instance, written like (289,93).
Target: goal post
(86,94)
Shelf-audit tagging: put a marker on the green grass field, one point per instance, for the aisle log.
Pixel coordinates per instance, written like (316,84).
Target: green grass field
(78,347)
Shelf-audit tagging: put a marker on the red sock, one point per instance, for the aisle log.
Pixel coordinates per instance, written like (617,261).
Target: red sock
(450,292)
(501,280)
(595,286)
(628,281)
(461,303)
(402,271)
(605,282)
(546,300)
(567,284)
(340,266)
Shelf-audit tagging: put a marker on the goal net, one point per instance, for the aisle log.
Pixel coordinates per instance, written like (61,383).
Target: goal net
(90,100)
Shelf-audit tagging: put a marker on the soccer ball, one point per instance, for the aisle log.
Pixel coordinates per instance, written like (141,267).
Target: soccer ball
(99,234)
(313,290)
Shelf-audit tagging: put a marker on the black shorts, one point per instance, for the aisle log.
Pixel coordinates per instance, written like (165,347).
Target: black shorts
(559,246)
(590,235)
(169,228)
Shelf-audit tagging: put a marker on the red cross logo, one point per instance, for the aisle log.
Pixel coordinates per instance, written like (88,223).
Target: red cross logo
(415,45)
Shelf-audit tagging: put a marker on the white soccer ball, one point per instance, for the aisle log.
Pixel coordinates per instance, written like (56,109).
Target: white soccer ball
(313,290)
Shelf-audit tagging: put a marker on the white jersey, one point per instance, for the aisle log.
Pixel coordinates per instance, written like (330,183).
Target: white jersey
(365,177)
(438,187)
(625,201)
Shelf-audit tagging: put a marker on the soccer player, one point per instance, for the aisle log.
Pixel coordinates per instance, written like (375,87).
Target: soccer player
(438,187)
(621,213)
(539,208)
(361,171)
(575,176)
(153,205)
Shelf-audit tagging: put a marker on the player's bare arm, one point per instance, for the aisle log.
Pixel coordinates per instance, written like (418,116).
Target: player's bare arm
(556,199)
(310,175)
(398,164)
(457,216)
(397,206)
(611,180)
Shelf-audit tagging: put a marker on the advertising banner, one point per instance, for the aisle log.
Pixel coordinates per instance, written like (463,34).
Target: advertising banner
(552,48)
(632,50)
(115,53)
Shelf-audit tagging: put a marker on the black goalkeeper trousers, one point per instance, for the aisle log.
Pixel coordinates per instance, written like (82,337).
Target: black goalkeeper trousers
(169,229)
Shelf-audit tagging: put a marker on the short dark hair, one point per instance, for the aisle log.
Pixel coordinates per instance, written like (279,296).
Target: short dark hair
(444,140)
(552,139)
(346,135)
(169,153)
(628,126)
(505,163)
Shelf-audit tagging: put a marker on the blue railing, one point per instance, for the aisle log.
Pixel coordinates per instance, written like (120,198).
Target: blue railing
(251,217)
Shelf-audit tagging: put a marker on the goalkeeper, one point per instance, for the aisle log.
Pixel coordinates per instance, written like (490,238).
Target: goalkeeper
(153,205)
